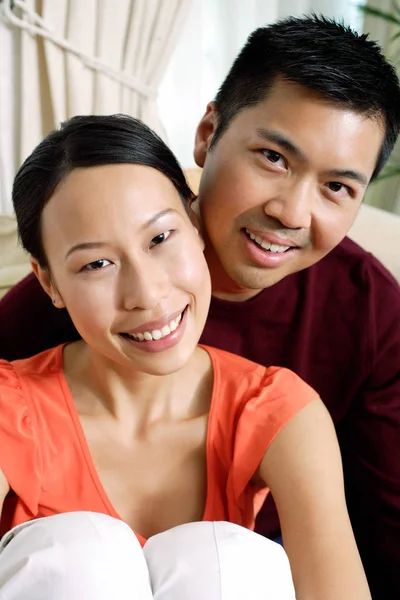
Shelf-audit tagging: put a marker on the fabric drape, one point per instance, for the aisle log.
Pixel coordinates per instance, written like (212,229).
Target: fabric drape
(133,37)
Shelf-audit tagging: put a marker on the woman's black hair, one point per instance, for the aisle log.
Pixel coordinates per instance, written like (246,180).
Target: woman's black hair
(85,141)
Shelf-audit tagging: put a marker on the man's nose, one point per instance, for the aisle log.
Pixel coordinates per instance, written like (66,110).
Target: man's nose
(292,204)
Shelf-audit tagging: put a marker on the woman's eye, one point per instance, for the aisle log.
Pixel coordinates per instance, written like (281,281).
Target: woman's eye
(159,239)
(97,265)
(272,156)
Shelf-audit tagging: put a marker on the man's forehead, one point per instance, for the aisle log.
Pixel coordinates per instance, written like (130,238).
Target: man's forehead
(293,109)
(285,95)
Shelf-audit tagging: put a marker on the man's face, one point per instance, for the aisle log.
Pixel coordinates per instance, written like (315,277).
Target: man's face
(281,187)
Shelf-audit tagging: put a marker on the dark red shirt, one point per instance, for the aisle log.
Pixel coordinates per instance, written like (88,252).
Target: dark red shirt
(337,325)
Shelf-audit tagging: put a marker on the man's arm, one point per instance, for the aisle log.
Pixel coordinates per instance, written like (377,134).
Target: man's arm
(370,444)
(303,470)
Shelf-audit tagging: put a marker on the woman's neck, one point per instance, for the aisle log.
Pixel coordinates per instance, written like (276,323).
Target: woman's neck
(103,388)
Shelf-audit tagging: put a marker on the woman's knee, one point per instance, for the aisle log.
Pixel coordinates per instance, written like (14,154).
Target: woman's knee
(73,555)
(218,560)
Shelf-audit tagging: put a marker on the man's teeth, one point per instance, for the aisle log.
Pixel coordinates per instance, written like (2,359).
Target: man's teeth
(267,245)
(156,334)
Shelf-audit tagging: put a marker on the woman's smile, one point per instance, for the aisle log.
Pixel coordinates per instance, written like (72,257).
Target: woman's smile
(162,337)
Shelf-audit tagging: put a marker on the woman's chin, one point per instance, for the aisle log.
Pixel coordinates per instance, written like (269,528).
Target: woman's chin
(165,363)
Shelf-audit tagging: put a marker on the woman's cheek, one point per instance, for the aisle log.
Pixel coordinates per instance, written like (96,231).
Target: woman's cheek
(90,305)
(189,268)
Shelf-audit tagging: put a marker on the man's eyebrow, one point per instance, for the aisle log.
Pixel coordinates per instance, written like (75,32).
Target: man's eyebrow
(94,245)
(281,140)
(349,174)
(277,138)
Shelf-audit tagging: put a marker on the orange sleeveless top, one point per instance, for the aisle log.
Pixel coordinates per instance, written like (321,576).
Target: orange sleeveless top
(46,459)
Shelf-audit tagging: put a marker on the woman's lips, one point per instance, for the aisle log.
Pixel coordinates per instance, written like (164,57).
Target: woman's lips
(149,343)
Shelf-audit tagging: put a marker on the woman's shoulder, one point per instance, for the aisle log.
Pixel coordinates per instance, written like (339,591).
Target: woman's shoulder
(248,376)
(230,366)
(47,361)
(251,405)
(20,376)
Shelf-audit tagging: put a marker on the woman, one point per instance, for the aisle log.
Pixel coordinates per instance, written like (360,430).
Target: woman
(136,424)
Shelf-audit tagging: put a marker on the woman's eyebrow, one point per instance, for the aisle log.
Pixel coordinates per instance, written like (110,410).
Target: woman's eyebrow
(85,246)
(157,216)
(95,245)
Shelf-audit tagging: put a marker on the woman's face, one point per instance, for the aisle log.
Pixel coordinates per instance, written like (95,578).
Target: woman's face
(128,264)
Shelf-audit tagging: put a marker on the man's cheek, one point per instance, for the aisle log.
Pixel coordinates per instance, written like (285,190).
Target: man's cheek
(329,237)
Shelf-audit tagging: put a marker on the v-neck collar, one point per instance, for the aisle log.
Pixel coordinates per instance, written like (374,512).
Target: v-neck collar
(102,494)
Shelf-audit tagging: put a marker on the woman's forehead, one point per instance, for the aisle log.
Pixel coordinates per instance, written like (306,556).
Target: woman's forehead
(115,187)
(107,200)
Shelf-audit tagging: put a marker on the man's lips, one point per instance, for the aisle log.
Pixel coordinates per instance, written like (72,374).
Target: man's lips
(270,238)
(267,255)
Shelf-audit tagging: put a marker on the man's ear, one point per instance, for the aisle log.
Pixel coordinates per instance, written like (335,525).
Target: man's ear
(205,133)
(193,216)
(47,283)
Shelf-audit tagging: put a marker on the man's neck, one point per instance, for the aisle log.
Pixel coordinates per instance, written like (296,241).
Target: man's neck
(239,295)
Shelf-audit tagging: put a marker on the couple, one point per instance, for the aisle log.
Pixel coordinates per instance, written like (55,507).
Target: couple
(287,151)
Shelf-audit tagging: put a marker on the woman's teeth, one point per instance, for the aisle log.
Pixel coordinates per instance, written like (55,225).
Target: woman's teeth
(156,334)
(266,245)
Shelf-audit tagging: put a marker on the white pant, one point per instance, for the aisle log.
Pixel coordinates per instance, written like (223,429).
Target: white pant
(90,556)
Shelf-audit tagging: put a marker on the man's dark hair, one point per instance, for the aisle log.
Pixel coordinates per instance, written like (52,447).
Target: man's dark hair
(85,141)
(329,58)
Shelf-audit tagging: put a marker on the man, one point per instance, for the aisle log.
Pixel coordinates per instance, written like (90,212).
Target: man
(307,116)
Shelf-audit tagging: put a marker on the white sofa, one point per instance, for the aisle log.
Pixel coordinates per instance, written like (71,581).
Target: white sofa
(375,230)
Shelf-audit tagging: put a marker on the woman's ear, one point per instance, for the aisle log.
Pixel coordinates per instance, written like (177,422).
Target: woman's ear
(205,133)
(47,283)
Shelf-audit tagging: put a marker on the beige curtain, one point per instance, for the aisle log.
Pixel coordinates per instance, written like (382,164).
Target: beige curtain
(385,194)
(117,52)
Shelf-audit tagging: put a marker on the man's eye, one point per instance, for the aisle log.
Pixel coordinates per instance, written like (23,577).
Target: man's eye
(272,156)
(159,239)
(96,265)
(336,186)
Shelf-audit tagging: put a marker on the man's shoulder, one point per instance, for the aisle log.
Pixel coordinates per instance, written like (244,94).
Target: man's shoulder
(349,255)
(347,284)
(350,267)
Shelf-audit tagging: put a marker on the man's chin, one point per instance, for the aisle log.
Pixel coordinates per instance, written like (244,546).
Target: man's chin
(256,279)
(246,284)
